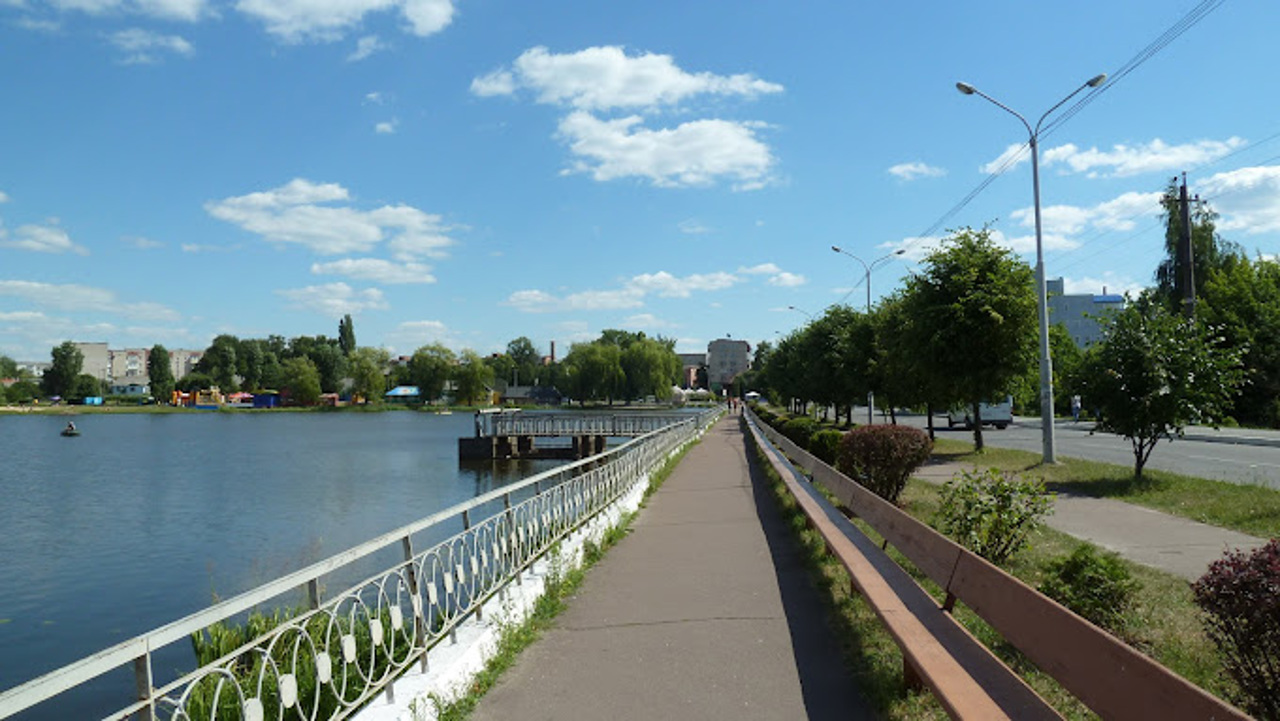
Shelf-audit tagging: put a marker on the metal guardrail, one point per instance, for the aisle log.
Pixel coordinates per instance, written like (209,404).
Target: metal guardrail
(333,658)
(574,424)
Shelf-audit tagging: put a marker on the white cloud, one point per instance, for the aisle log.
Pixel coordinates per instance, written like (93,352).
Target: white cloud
(1248,199)
(1109,283)
(1126,160)
(386,127)
(141,243)
(537,301)
(606,78)
(762,269)
(293,213)
(81,298)
(376,270)
(411,335)
(645,321)
(366,46)
(297,21)
(667,285)
(691,154)
(914,171)
(693,227)
(188,10)
(1120,213)
(3,197)
(334,299)
(375,97)
(41,239)
(143,47)
(1013,156)
(787,280)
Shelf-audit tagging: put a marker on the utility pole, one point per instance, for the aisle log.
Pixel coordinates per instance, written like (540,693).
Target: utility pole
(1186,251)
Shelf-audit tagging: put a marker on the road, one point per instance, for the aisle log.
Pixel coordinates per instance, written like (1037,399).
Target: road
(1236,455)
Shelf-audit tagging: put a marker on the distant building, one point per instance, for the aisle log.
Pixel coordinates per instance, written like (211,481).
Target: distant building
(1080,312)
(726,358)
(690,363)
(182,362)
(129,364)
(97,360)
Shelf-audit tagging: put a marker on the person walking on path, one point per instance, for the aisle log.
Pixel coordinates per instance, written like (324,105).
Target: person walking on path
(704,611)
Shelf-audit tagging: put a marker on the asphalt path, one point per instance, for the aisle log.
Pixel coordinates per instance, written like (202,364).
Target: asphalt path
(1235,455)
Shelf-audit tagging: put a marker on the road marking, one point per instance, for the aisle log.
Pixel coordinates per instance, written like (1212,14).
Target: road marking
(1230,460)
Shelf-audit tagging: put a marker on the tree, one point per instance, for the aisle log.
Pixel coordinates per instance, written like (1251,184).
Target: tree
(471,376)
(160,373)
(651,368)
(22,392)
(85,386)
(368,370)
(8,367)
(593,371)
(301,380)
(526,359)
(429,369)
(346,335)
(974,321)
(1209,252)
(900,371)
(1243,300)
(1154,373)
(67,362)
(219,362)
(194,381)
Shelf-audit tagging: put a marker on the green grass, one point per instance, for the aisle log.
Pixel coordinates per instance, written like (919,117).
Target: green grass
(1251,509)
(560,588)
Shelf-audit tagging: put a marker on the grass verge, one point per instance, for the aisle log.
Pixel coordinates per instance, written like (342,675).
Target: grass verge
(1251,509)
(1165,623)
(560,588)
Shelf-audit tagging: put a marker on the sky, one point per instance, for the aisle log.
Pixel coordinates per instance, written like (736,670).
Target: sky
(471,171)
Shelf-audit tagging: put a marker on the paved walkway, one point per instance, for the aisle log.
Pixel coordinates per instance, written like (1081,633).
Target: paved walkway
(1170,543)
(702,612)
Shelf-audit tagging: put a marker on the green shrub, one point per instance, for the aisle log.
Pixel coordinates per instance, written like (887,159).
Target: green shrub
(1241,598)
(799,430)
(1095,585)
(992,513)
(883,457)
(824,444)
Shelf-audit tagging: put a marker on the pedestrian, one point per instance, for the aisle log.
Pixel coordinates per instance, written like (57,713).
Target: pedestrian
(1075,408)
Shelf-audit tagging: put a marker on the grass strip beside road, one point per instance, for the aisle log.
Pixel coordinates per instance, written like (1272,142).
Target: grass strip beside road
(1251,509)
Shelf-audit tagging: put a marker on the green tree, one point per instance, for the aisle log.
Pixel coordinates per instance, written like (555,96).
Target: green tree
(651,368)
(220,362)
(368,369)
(593,371)
(504,369)
(471,376)
(301,380)
(1209,252)
(973,310)
(1154,373)
(194,381)
(66,363)
(429,369)
(526,358)
(901,373)
(346,335)
(327,357)
(160,373)
(1243,300)
(8,367)
(22,392)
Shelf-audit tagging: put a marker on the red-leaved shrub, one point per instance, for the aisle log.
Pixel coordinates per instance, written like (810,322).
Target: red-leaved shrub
(883,457)
(1241,595)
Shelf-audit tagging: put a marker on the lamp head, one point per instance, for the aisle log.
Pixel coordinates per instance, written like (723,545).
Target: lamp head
(836,248)
(899,251)
(968,89)
(1097,80)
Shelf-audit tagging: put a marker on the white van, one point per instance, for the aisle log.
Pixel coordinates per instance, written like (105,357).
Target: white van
(999,414)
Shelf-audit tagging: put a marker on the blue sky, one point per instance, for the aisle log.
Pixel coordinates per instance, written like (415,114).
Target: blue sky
(470,171)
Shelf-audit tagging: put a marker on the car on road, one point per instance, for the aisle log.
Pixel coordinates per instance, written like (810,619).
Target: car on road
(998,414)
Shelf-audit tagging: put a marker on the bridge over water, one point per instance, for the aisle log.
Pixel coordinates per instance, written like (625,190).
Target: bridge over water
(512,433)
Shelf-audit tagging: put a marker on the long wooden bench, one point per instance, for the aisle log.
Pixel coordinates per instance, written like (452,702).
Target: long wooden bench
(1108,676)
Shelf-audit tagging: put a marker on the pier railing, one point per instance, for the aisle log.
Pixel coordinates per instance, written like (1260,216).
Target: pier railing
(616,425)
(330,659)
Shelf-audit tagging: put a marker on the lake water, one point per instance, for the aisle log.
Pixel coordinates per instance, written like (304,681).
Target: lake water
(143,519)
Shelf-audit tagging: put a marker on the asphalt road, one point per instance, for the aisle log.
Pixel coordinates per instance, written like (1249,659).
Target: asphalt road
(1235,455)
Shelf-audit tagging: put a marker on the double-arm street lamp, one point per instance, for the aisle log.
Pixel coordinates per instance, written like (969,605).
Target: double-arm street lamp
(871,396)
(1046,364)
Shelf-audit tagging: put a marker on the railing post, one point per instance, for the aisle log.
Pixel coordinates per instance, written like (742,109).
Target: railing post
(313,594)
(142,679)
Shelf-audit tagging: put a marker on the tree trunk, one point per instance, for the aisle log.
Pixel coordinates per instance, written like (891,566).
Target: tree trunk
(928,410)
(977,426)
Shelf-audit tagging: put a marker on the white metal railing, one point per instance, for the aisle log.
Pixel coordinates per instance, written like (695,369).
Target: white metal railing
(333,657)
(575,424)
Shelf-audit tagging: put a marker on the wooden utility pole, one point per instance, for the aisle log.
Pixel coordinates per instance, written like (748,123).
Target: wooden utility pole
(1186,252)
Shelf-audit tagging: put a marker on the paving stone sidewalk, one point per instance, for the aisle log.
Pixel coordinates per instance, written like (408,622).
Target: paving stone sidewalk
(1170,543)
(704,611)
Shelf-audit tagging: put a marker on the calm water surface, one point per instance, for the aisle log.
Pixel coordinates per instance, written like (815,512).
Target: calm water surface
(145,518)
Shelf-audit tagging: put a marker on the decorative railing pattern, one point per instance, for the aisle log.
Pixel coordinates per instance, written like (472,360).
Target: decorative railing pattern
(575,424)
(332,658)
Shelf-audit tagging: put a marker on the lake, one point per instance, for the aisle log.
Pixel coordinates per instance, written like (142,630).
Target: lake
(146,518)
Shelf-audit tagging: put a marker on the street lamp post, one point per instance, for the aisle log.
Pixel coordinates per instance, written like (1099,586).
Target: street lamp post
(801,310)
(871,395)
(1046,363)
